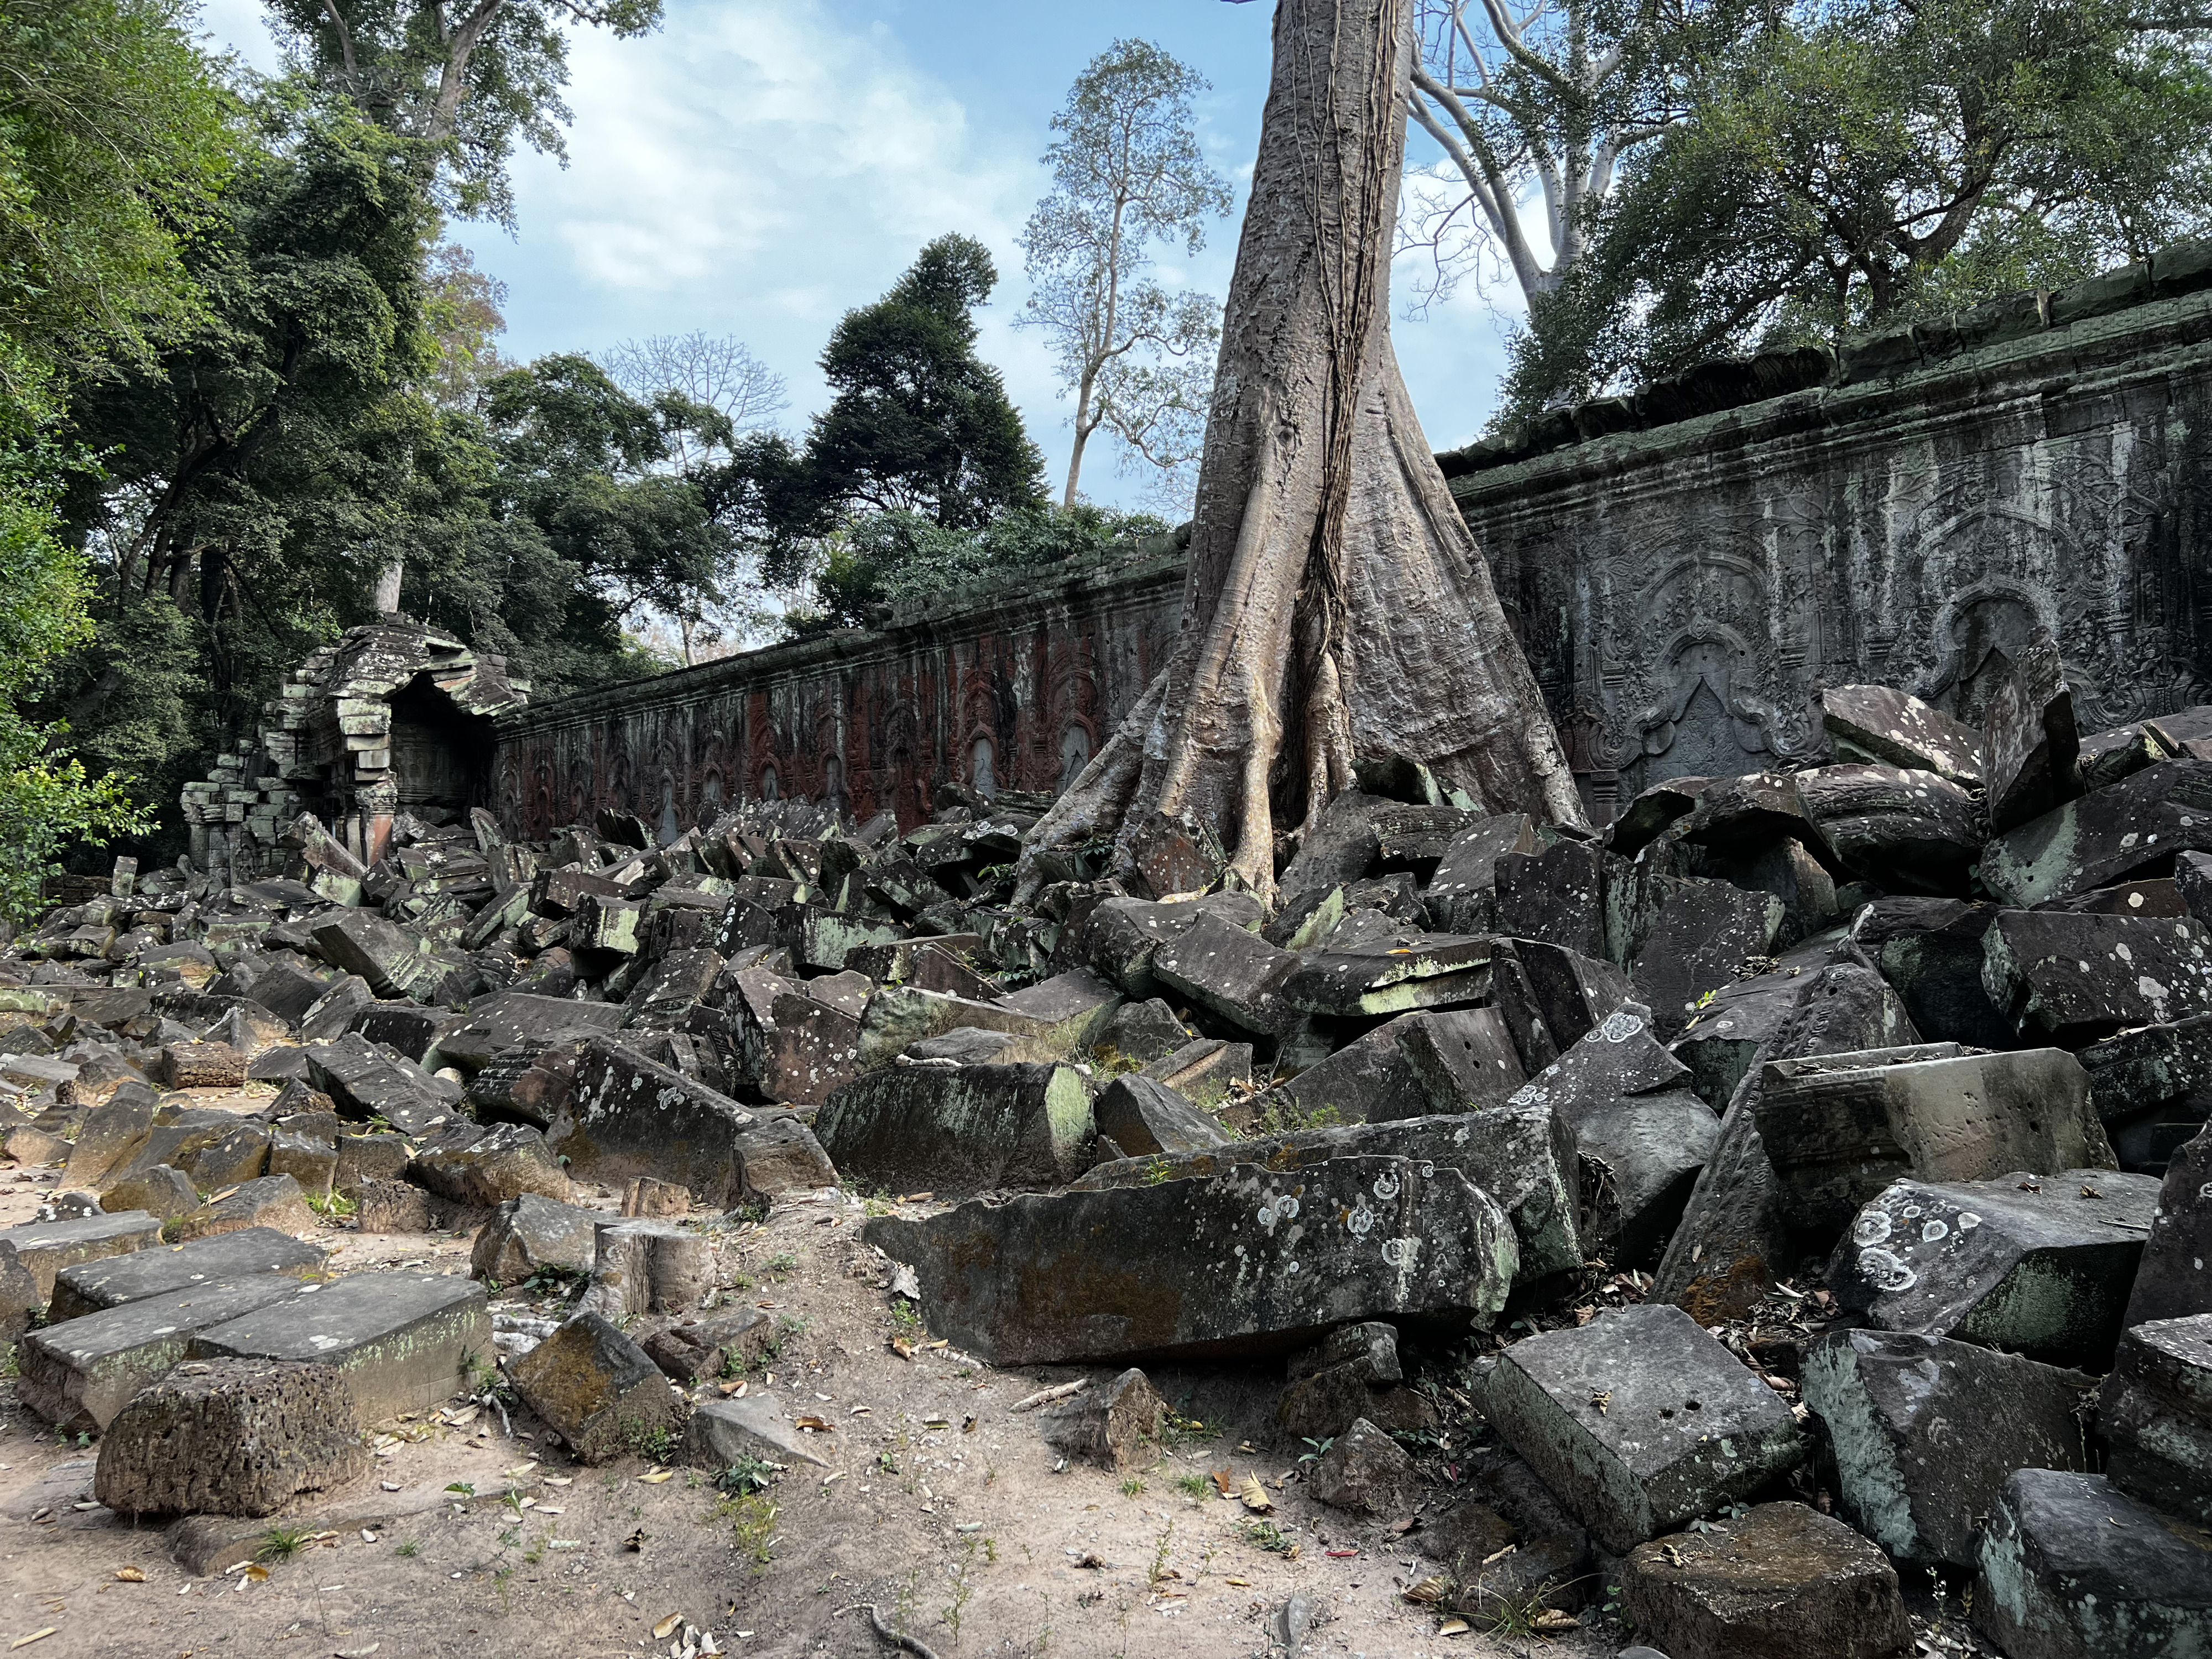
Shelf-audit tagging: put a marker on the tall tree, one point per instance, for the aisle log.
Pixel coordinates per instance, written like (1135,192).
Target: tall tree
(1335,605)
(717,371)
(468,78)
(1127,172)
(920,422)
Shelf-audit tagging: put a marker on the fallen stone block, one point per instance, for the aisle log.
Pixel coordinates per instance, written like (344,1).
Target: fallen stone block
(79,1374)
(960,1130)
(1705,934)
(1398,973)
(2040,1265)
(1204,1071)
(1141,1117)
(780,1154)
(529,1234)
(1922,1444)
(2070,978)
(631,1117)
(163,1192)
(203,1066)
(718,1345)
(333,1014)
(45,1248)
(1908,831)
(1113,1426)
(402,1342)
(231,1437)
(655,1199)
(93,1285)
(2137,826)
(1232,973)
(2173,1280)
(726,1431)
(809,1050)
(505,1019)
(371,1157)
(1071,1009)
(1838,1128)
(1780,1583)
(19,1301)
(1223,1266)
(388,960)
(1368,1473)
(366,1082)
(647,1267)
(392,1207)
(1930,951)
(1639,1420)
(1894,728)
(312,1161)
(2157,1416)
(597,1389)
(1556,895)
(273,1202)
(2073,1568)
(2030,749)
(1123,936)
(110,1133)
(1462,895)
(480,1167)
(1522,1155)
(239,1156)
(1139,1031)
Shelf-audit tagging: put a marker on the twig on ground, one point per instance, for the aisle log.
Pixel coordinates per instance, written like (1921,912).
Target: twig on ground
(885,1634)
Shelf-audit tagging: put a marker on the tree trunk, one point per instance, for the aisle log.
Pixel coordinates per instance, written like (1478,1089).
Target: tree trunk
(1335,604)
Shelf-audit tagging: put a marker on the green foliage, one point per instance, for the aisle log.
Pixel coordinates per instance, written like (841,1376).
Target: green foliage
(282,1543)
(749,1474)
(919,423)
(1847,164)
(888,558)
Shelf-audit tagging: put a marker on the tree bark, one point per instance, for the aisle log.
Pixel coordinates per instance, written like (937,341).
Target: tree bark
(1335,604)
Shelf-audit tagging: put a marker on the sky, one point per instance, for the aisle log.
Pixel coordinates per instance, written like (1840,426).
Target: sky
(758,167)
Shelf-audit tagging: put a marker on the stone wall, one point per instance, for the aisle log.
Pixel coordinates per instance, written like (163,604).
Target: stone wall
(1908,514)
(1014,686)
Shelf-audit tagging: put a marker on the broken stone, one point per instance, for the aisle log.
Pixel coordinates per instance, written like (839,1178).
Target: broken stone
(1462,894)
(91,1286)
(274,1202)
(45,1247)
(391,962)
(719,1344)
(1557,896)
(1568,993)
(2156,1415)
(1205,1071)
(1910,831)
(1368,1473)
(2029,747)
(960,1130)
(1878,723)
(1234,974)
(482,1167)
(2137,825)
(231,1437)
(1113,1426)
(597,1389)
(203,1066)
(163,1192)
(1521,1153)
(402,1342)
(2173,1281)
(630,1117)
(1071,1010)
(312,1161)
(2035,1265)
(1123,935)
(79,1374)
(655,1199)
(1838,1128)
(110,1133)
(1398,972)
(1143,1117)
(1639,1420)
(1930,951)
(505,1019)
(239,1157)
(1920,1452)
(365,1083)
(391,1206)
(1705,934)
(529,1234)
(371,1157)
(1353,1373)
(1782,1582)
(648,1267)
(2078,977)
(2073,1568)
(19,1301)
(726,1431)
(1140,1031)
(1026,1281)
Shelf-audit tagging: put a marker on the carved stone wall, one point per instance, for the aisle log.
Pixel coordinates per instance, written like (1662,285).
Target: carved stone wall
(1685,589)
(1010,685)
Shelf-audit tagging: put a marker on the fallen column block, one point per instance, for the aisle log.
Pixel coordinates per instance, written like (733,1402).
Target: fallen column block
(2157,1416)
(231,1437)
(960,1130)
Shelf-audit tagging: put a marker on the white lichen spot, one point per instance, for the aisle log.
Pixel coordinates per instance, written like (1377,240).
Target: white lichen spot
(1934,1232)
(1885,1271)
(1871,1228)
(1620,1026)
(1386,1186)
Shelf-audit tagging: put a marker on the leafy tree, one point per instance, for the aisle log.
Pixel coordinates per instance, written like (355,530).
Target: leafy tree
(919,422)
(469,80)
(1127,172)
(461,310)
(1852,162)
(885,558)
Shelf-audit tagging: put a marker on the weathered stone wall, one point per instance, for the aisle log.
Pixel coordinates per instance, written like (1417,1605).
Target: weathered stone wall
(1015,686)
(1909,518)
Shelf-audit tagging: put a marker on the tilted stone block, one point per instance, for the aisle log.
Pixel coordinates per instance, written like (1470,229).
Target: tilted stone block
(2157,1415)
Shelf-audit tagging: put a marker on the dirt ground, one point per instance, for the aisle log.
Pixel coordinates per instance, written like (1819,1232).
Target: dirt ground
(938,1502)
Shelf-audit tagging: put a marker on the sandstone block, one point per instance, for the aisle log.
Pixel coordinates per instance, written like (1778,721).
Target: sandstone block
(231,1437)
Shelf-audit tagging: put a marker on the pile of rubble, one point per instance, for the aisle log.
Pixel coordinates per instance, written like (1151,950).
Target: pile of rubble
(1813,1163)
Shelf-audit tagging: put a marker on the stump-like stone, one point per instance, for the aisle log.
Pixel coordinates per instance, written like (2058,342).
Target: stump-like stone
(1113,1426)
(231,1437)
(596,1388)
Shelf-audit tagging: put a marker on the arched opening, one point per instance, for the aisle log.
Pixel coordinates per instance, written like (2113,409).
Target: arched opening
(440,753)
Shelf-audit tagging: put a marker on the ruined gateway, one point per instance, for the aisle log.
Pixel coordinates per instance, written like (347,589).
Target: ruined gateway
(1686,569)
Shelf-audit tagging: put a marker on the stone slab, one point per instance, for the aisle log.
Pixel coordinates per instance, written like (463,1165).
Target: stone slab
(45,1247)
(2157,1416)
(92,1285)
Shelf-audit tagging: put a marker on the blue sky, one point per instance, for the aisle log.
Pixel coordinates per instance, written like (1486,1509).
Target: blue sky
(759,167)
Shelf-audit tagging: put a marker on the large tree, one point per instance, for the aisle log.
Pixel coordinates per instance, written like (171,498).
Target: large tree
(1336,607)
(1127,171)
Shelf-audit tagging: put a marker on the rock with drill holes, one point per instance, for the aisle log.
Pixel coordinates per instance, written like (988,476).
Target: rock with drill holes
(231,1437)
